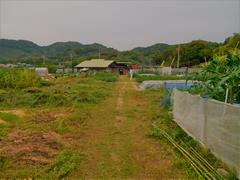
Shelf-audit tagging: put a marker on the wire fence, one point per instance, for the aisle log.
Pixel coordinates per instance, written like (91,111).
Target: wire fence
(166,70)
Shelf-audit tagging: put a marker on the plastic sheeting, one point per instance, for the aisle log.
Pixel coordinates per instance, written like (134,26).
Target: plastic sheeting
(215,124)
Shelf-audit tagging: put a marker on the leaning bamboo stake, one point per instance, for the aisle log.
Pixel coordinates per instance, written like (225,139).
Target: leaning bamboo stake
(194,165)
(207,164)
(204,162)
(194,161)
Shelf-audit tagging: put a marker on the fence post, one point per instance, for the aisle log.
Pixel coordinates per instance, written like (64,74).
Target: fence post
(205,140)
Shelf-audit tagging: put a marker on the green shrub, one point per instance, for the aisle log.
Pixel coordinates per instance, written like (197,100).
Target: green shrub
(222,73)
(106,76)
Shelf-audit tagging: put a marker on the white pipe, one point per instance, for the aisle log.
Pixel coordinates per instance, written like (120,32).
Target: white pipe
(226,96)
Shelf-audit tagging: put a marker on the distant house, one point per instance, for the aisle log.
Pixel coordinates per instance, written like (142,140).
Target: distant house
(102,64)
(42,71)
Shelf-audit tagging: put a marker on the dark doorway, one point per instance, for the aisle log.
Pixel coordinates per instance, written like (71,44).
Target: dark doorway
(121,71)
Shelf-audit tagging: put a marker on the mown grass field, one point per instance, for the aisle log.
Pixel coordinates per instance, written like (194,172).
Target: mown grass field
(91,127)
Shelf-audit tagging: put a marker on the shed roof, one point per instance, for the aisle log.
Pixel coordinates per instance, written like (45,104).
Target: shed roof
(97,63)
(41,69)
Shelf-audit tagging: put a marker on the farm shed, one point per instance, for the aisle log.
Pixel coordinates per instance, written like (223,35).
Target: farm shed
(42,71)
(122,67)
(102,64)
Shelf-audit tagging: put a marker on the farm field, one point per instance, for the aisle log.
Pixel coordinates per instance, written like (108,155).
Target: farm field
(91,126)
(102,132)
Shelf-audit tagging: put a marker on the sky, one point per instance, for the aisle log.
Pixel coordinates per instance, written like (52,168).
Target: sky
(119,24)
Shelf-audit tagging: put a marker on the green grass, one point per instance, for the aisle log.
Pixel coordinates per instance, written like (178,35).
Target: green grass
(140,78)
(106,76)
(66,92)
(81,102)
(65,163)
(10,121)
(9,117)
(63,127)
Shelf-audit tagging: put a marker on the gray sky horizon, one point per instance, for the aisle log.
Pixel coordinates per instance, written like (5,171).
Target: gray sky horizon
(119,24)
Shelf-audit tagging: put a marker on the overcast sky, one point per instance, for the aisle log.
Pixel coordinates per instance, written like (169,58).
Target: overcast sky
(119,24)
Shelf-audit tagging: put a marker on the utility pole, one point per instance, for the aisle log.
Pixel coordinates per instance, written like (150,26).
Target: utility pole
(43,60)
(178,56)
(71,58)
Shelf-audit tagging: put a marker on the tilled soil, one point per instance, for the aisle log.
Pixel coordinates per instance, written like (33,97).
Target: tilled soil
(35,148)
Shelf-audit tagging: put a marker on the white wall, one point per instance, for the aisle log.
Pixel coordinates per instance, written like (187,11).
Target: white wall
(215,124)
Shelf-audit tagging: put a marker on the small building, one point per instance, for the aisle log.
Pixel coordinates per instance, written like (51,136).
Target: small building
(64,70)
(42,71)
(102,64)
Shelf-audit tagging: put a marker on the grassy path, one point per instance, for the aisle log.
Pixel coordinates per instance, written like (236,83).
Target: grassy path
(116,140)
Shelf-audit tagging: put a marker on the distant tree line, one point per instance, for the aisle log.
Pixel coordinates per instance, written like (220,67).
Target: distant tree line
(69,54)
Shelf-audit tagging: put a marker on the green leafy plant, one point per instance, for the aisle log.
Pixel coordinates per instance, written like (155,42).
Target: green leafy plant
(222,74)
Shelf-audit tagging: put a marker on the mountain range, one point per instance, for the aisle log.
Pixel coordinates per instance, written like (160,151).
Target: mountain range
(191,53)
(14,48)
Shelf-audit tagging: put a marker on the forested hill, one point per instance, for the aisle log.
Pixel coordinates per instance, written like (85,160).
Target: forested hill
(191,53)
(14,48)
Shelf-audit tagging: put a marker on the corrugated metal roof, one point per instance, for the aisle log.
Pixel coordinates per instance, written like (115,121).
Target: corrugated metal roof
(96,63)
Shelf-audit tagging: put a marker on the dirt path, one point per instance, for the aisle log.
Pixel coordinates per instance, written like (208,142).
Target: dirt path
(116,140)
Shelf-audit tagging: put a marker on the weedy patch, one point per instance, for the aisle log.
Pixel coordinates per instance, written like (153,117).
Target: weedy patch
(43,117)
(106,76)
(53,118)
(36,148)
(64,164)
(7,122)
(72,94)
